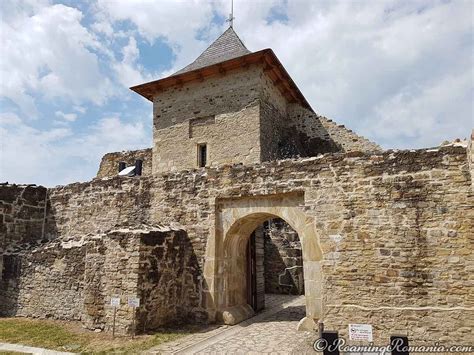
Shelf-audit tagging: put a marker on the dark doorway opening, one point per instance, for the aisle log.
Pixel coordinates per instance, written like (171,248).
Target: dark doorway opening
(274,262)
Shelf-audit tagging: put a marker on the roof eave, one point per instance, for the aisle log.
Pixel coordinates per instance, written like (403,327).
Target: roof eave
(266,57)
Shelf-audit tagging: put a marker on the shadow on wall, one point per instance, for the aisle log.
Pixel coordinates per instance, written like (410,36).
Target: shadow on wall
(43,280)
(22,212)
(304,133)
(283,259)
(170,281)
(23,239)
(293,134)
(302,146)
(11,270)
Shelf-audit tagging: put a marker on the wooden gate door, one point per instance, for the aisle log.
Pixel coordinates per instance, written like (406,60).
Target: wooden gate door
(255,273)
(251,273)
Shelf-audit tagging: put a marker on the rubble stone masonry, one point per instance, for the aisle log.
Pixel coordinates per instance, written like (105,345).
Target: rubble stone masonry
(74,278)
(395,229)
(98,206)
(283,259)
(22,215)
(110,162)
(22,208)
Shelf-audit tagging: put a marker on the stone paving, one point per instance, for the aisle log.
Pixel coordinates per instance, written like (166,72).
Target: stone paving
(271,331)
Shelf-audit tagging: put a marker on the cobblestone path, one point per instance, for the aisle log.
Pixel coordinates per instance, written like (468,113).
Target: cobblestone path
(271,331)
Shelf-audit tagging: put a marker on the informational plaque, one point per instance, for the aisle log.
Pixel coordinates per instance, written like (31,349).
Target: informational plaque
(133,302)
(360,332)
(115,301)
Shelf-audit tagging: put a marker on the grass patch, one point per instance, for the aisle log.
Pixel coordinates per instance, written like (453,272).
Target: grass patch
(70,336)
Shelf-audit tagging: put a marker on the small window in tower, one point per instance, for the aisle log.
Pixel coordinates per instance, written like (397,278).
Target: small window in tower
(202,155)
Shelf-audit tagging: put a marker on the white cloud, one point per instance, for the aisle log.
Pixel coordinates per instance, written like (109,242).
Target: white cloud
(103,27)
(350,59)
(398,72)
(80,109)
(165,20)
(57,156)
(179,23)
(46,52)
(111,134)
(69,117)
(28,154)
(9,119)
(127,71)
(428,114)
(354,61)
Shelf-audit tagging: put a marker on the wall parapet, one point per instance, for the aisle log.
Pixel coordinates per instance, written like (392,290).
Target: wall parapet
(394,227)
(110,162)
(98,205)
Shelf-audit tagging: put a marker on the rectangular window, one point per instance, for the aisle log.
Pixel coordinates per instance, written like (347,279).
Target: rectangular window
(202,155)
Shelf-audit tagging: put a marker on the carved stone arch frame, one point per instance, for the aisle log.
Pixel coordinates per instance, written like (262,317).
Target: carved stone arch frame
(224,266)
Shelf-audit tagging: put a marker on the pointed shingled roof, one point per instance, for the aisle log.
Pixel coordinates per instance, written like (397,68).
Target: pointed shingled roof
(227,46)
(225,54)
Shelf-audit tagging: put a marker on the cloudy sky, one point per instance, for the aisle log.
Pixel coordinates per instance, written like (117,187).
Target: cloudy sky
(398,72)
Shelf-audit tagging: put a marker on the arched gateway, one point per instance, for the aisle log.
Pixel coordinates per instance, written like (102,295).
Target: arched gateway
(225,264)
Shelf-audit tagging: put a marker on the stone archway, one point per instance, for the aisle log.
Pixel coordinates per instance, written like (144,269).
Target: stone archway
(224,268)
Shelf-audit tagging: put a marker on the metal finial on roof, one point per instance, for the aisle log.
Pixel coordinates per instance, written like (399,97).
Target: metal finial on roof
(231,15)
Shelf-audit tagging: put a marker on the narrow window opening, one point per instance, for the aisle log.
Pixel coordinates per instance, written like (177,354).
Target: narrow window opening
(202,155)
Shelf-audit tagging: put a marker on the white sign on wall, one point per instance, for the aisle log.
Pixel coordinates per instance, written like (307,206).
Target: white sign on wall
(360,332)
(133,302)
(115,301)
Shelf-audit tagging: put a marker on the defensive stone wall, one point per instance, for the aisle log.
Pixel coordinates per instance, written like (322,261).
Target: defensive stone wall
(395,229)
(22,215)
(169,281)
(74,278)
(110,162)
(320,129)
(98,206)
(43,280)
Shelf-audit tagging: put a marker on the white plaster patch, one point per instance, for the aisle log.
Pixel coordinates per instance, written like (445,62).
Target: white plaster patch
(453,259)
(399,205)
(72,243)
(336,238)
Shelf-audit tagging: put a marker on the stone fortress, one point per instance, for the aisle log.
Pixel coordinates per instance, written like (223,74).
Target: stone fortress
(247,190)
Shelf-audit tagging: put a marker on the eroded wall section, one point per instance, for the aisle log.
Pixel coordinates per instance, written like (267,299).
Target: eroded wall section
(75,278)
(109,165)
(395,230)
